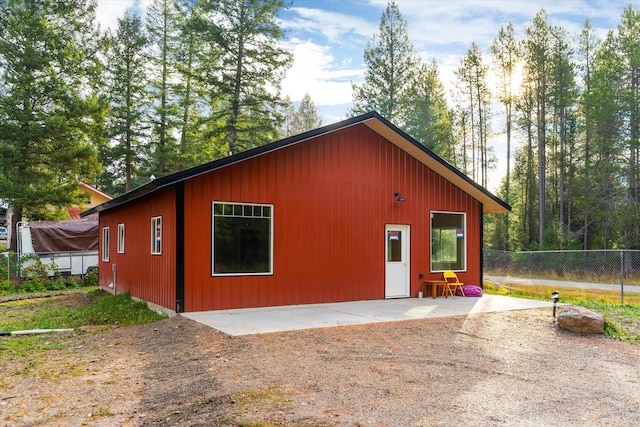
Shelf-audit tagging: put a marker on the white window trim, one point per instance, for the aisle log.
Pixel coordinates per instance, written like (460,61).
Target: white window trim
(270,272)
(156,223)
(105,244)
(120,238)
(464,225)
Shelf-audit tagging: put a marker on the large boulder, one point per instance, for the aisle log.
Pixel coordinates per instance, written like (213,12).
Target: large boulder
(581,320)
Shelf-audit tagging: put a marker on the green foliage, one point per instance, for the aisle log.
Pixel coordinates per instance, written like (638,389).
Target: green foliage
(622,321)
(47,52)
(303,119)
(6,287)
(120,309)
(91,278)
(93,308)
(428,118)
(242,66)
(391,64)
(129,101)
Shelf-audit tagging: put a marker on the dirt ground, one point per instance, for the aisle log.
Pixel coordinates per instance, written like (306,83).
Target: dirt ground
(508,368)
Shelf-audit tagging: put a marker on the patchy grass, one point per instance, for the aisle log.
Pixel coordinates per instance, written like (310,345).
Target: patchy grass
(622,321)
(68,311)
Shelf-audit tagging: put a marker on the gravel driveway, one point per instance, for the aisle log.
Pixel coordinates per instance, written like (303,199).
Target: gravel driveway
(506,368)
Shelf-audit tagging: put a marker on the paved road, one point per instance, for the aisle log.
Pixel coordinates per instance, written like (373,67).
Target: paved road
(560,283)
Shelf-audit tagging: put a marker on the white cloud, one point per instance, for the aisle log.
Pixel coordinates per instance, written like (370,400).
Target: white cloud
(315,71)
(335,27)
(109,11)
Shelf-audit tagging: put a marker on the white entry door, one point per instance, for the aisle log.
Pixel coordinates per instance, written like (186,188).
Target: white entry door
(397,268)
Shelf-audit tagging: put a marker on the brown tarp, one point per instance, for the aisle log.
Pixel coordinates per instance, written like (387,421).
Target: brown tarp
(65,236)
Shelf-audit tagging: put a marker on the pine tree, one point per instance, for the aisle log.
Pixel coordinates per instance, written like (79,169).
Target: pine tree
(161,24)
(48,107)
(506,53)
(428,118)
(244,71)
(628,42)
(391,64)
(306,117)
(127,125)
(472,74)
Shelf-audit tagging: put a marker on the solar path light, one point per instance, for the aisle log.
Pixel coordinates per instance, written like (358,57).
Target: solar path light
(555,296)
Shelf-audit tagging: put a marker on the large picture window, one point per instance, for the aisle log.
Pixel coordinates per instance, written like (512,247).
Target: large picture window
(448,241)
(105,244)
(242,241)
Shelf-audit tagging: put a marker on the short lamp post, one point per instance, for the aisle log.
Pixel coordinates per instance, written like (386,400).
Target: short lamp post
(555,296)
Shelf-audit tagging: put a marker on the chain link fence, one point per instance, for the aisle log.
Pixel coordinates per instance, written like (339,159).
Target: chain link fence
(616,267)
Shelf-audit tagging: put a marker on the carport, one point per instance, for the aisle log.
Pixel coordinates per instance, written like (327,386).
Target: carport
(248,321)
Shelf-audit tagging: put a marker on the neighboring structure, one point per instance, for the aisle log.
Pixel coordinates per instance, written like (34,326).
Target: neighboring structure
(356,210)
(95,197)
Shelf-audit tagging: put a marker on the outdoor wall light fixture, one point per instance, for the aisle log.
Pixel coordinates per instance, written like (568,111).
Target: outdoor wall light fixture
(399,196)
(555,296)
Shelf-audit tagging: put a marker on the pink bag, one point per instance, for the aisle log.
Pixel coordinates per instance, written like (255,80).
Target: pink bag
(470,291)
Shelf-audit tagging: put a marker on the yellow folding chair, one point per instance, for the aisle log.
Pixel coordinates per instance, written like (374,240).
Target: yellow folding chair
(452,284)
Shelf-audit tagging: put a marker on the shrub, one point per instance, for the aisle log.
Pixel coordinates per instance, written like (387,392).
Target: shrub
(6,287)
(91,278)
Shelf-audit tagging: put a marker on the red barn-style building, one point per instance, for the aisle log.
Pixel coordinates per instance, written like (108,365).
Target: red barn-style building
(357,210)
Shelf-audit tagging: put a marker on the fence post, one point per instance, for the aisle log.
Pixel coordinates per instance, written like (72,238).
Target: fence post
(621,276)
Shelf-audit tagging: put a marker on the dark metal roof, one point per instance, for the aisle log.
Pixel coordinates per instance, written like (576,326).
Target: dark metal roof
(373,120)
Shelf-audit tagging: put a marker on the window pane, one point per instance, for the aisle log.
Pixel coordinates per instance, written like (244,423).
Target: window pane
(248,211)
(394,246)
(447,242)
(242,245)
(228,209)
(257,211)
(217,208)
(237,210)
(156,235)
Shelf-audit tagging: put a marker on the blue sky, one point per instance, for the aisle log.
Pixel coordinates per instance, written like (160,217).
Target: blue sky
(328,37)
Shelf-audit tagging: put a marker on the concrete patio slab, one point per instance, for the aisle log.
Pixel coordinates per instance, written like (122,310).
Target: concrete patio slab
(248,321)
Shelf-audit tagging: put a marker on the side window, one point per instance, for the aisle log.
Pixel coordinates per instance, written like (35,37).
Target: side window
(120,238)
(105,244)
(448,241)
(156,235)
(242,241)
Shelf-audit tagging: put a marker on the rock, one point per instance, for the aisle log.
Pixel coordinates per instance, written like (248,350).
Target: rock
(581,320)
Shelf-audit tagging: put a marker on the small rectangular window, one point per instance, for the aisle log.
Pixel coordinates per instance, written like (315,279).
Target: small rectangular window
(242,240)
(156,235)
(448,241)
(120,238)
(105,244)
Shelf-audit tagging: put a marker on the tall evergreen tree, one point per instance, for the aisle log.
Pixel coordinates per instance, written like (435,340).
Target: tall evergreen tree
(193,147)
(537,55)
(306,117)
(245,70)
(587,48)
(391,63)
(506,54)
(428,118)
(162,28)
(48,65)
(628,37)
(473,89)
(127,126)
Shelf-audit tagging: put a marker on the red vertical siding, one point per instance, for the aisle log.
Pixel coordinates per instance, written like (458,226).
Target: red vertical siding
(332,197)
(145,276)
